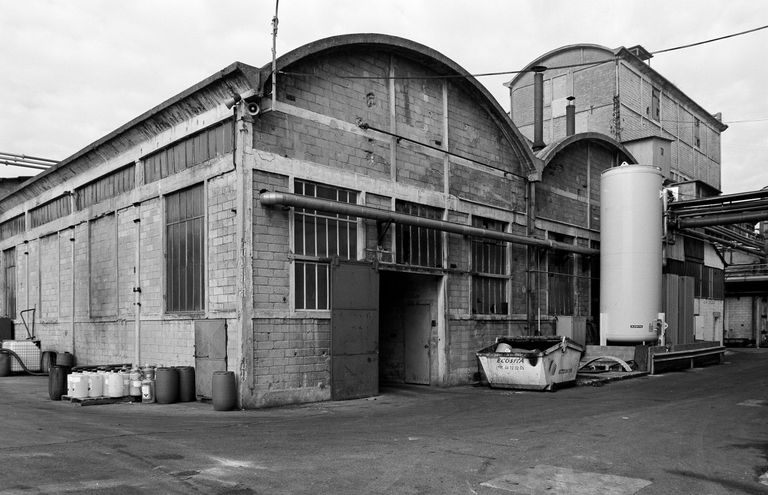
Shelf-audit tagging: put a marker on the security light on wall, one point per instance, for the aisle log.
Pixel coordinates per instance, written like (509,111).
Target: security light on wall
(232,101)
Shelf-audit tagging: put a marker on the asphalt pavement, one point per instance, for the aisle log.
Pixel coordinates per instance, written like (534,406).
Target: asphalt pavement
(700,431)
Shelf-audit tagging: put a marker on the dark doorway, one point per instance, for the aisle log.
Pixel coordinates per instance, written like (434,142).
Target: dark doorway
(407,326)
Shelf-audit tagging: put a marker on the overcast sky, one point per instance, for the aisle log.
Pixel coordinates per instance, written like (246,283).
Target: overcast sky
(73,71)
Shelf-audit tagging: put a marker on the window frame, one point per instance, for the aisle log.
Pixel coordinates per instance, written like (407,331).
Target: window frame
(497,275)
(197,302)
(312,264)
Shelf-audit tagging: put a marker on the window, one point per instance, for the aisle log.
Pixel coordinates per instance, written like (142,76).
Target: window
(419,246)
(560,268)
(184,212)
(9,261)
(12,227)
(489,269)
(697,133)
(655,106)
(320,235)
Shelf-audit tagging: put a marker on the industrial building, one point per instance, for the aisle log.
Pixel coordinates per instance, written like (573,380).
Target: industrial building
(616,92)
(370,215)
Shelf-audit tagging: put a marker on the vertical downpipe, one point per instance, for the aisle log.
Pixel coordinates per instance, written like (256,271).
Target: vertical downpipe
(137,291)
(538,107)
(72,240)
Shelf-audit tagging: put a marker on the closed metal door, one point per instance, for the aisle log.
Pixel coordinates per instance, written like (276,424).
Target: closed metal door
(417,326)
(210,353)
(354,331)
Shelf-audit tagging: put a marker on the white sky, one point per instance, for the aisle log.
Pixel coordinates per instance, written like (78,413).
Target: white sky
(73,71)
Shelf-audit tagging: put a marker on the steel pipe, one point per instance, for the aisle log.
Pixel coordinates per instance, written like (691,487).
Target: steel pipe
(287,199)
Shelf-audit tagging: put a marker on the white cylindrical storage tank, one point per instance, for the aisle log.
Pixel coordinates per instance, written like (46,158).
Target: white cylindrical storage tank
(631,216)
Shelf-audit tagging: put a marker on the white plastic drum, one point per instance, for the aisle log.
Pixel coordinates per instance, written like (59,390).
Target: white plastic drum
(79,386)
(95,384)
(630,253)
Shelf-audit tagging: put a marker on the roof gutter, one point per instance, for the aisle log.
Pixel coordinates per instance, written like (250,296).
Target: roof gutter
(292,200)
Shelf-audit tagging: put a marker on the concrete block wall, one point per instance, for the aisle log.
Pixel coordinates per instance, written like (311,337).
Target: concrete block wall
(271,241)
(739,318)
(222,244)
(152,263)
(49,281)
(126,260)
(291,361)
(103,272)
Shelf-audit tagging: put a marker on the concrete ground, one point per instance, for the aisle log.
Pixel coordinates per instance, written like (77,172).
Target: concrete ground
(701,431)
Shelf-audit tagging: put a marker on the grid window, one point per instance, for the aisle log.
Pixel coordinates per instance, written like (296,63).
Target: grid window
(184,215)
(489,265)
(419,246)
(9,261)
(655,106)
(560,266)
(320,235)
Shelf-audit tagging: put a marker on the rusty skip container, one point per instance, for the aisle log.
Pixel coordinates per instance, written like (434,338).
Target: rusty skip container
(531,363)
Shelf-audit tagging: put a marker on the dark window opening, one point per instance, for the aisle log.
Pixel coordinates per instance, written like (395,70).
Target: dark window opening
(184,220)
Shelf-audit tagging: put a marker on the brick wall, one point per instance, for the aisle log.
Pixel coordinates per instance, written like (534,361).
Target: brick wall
(126,260)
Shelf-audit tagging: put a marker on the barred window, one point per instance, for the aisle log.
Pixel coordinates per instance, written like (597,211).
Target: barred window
(184,215)
(419,246)
(560,278)
(489,268)
(319,234)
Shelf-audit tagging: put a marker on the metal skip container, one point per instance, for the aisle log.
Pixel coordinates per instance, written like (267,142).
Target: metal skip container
(531,363)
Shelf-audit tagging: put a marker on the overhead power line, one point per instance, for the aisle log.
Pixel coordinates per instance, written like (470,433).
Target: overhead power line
(511,72)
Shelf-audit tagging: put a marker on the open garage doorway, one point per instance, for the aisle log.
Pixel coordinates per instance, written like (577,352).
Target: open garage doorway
(407,328)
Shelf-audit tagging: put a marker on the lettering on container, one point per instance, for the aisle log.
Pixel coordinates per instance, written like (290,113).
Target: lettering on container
(636,326)
(510,363)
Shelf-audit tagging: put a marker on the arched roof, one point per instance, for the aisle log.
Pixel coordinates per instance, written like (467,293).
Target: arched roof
(609,55)
(549,152)
(432,59)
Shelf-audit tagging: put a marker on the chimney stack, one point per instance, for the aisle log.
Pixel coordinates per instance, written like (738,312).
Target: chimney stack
(570,117)
(538,107)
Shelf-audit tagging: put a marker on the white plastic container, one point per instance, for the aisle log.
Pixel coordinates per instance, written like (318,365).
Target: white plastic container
(95,385)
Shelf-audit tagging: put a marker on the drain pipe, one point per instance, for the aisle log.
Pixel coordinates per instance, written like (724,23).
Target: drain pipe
(72,240)
(268,198)
(538,107)
(137,292)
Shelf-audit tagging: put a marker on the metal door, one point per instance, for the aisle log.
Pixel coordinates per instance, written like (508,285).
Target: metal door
(210,353)
(417,326)
(354,331)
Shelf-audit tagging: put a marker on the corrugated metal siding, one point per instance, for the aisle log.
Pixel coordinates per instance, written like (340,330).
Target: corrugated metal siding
(12,227)
(184,215)
(106,187)
(50,211)
(189,152)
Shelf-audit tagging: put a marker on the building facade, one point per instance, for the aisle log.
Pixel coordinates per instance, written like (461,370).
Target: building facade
(617,93)
(370,215)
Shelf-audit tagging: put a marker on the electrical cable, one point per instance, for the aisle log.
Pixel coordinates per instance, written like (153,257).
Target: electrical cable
(510,72)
